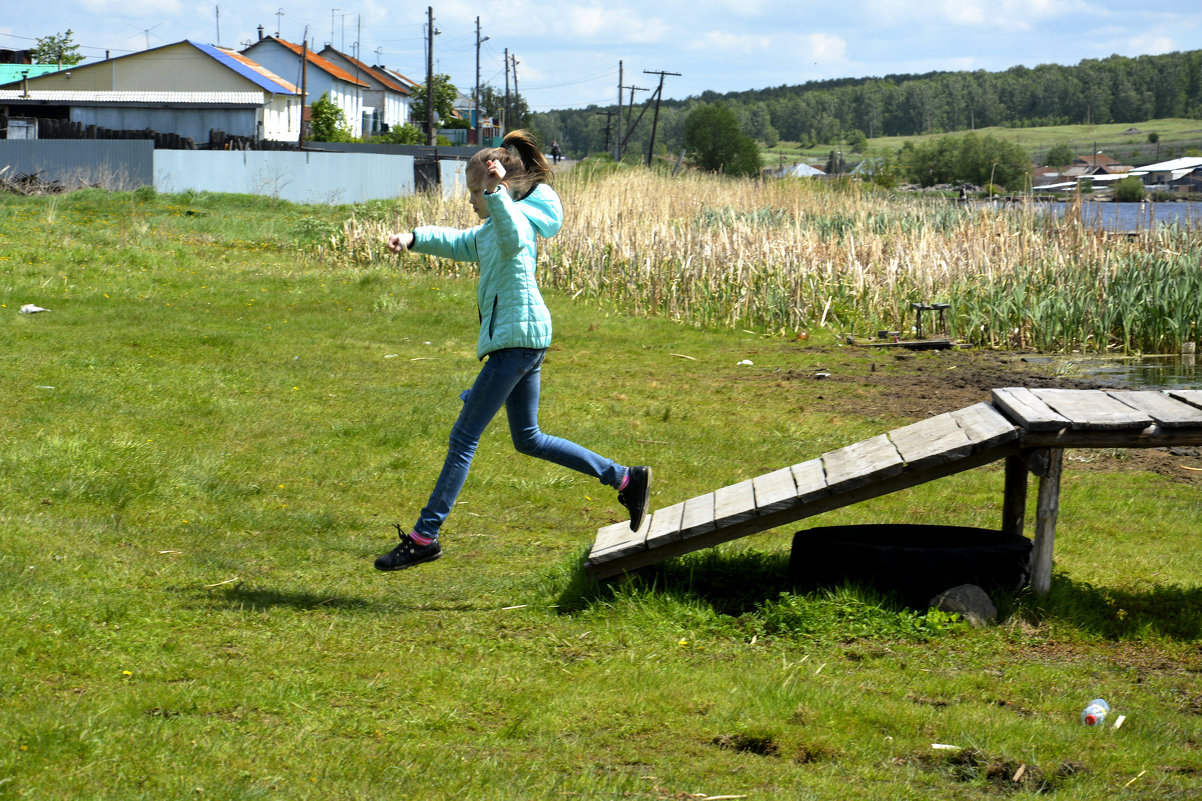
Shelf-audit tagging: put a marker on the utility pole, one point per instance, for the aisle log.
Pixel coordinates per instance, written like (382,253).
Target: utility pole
(304,76)
(430,139)
(505,111)
(608,116)
(659,93)
(618,149)
(218,25)
(476,94)
(517,96)
(631,122)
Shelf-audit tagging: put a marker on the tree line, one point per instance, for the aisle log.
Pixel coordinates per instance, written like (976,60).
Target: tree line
(1095,91)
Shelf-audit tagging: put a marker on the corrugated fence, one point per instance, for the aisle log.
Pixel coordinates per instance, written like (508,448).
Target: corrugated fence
(300,177)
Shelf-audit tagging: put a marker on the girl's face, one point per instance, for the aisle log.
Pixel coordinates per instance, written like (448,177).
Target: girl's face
(475,188)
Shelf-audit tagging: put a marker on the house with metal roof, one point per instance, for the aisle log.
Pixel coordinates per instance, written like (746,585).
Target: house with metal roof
(385,101)
(185,88)
(10,73)
(318,75)
(1183,174)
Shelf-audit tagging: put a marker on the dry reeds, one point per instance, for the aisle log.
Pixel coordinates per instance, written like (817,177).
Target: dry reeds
(785,256)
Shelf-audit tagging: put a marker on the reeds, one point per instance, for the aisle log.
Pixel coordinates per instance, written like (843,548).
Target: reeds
(787,256)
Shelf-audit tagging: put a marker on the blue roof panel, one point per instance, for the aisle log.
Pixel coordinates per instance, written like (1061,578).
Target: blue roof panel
(241,65)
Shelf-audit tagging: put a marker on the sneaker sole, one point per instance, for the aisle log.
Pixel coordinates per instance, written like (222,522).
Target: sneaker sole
(410,564)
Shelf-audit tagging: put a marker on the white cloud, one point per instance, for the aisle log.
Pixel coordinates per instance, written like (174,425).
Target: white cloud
(1148,43)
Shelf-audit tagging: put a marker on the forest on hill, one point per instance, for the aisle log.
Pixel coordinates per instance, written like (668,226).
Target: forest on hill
(1095,91)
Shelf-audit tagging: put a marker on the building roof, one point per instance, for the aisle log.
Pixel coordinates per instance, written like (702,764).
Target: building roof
(323,64)
(1096,160)
(389,81)
(256,73)
(1187,163)
(11,73)
(799,170)
(78,97)
(409,82)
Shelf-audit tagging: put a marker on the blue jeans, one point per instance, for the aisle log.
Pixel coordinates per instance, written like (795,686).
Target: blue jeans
(509,378)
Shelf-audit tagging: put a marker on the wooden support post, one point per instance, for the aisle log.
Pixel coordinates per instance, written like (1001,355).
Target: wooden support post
(1046,509)
(1014,502)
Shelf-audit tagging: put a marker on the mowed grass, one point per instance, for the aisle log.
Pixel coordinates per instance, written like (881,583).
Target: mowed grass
(205,442)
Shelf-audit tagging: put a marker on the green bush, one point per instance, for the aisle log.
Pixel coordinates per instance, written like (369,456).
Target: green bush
(328,123)
(714,140)
(1129,189)
(972,158)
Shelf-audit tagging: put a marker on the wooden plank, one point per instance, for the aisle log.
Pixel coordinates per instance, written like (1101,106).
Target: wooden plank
(617,541)
(734,504)
(774,491)
(665,525)
(698,516)
(860,464)
(1014,497)
(1151,437)
(817,502)
(1026,410)
(984,426)
(810,478)
(930,442)
(1191,396)
(1047,508)
(1167,413)
(1092,410)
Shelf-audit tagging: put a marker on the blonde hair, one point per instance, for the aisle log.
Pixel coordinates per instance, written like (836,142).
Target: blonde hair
(525,165)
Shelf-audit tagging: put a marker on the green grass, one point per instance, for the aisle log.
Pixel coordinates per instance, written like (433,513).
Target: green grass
(1176,135)
(205,443)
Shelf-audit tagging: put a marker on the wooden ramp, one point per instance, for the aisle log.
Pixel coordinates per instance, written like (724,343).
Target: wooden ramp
(1029,428)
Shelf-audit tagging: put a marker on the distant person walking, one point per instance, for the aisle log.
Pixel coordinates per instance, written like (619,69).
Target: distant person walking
(555,151)
(508,190)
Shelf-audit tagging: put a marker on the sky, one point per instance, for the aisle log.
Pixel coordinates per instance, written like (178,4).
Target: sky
(568,51)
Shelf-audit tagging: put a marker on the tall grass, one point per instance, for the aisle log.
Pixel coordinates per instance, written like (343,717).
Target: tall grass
(787,256)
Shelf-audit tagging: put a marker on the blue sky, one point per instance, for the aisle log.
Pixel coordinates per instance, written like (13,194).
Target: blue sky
(568,50)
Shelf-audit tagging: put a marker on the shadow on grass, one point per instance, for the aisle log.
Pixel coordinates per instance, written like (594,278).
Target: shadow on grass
(1172,612)
(733,583)
(255,598)
(740,582)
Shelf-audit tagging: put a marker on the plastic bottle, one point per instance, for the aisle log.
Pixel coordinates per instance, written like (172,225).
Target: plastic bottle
(1095,713)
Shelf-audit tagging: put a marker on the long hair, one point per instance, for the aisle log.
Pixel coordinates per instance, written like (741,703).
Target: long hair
(525,165)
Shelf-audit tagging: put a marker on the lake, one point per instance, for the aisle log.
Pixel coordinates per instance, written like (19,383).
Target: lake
(1135,216)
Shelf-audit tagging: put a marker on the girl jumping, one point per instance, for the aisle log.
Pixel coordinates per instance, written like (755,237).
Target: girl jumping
(509,192)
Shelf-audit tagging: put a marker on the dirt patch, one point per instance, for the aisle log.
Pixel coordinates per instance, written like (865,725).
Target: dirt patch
(762,745)
(903,386)
(971,765)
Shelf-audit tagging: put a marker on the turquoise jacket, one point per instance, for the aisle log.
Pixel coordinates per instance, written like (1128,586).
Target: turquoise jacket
(512,312)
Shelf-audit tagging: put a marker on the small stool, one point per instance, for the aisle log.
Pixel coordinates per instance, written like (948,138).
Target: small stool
(919,308)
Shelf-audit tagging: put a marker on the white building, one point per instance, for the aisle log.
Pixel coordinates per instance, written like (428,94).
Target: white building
(319,76)
(386,98)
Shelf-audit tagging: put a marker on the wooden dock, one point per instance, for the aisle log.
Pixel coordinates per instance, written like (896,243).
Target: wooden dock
(1029,428)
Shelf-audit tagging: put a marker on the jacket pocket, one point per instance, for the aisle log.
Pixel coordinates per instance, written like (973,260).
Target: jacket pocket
(492,319)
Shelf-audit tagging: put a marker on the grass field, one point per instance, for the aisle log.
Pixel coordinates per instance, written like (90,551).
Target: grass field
(206,441)
(1126,142)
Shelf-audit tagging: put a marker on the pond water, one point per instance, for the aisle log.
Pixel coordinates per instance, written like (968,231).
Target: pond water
(1135,216)
(1145,372)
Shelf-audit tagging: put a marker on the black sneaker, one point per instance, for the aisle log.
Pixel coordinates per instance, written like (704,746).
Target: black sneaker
(408,554)
(636,495)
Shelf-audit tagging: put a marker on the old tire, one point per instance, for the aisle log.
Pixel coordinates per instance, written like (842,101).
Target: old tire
(916,562)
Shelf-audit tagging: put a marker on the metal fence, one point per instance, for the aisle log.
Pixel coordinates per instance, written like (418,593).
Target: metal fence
(112,164)
(349,174)
(303,177)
